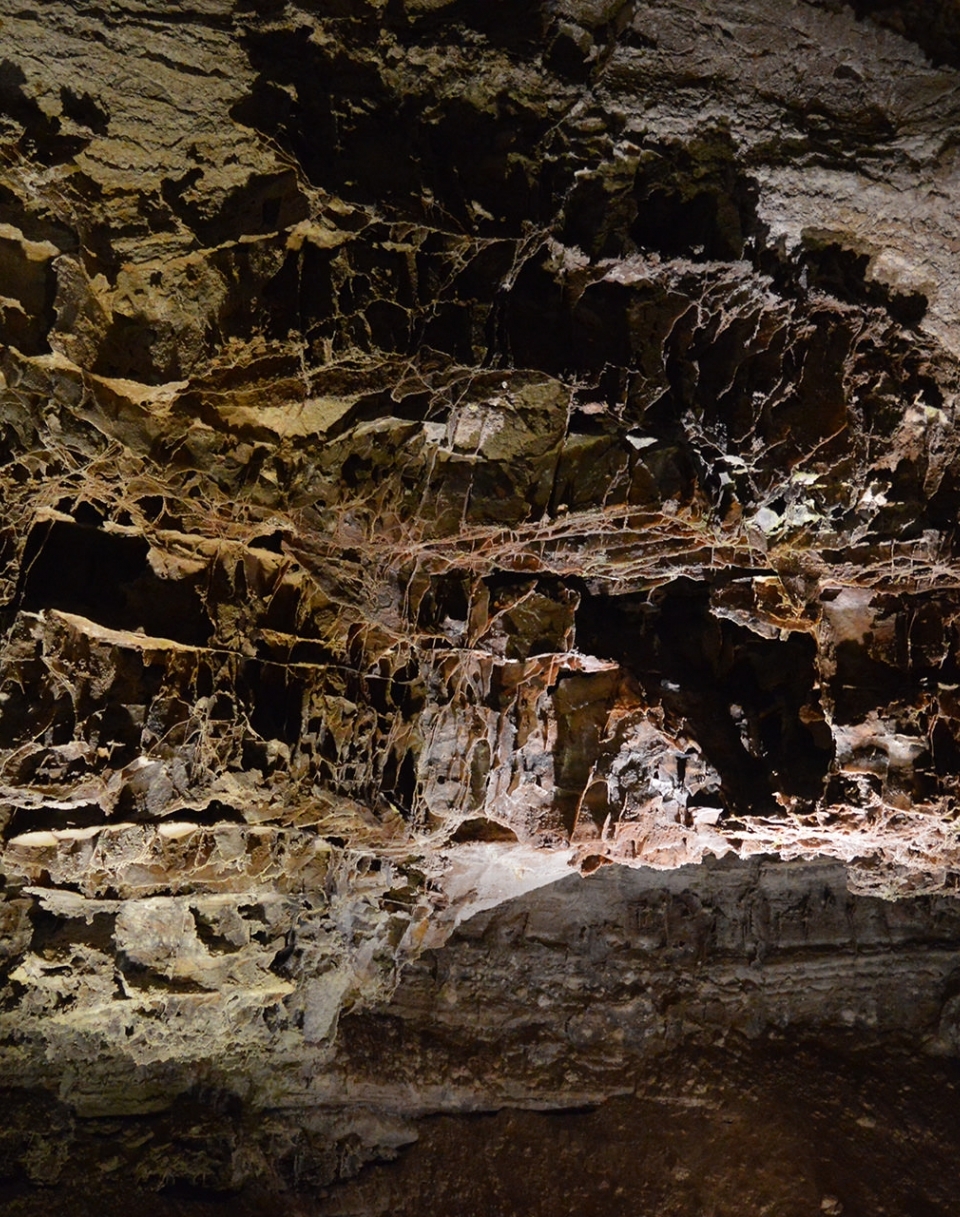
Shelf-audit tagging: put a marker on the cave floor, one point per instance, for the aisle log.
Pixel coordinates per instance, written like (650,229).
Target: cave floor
(743,1129)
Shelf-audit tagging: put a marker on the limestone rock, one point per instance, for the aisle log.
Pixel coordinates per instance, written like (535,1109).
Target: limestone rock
(464,466)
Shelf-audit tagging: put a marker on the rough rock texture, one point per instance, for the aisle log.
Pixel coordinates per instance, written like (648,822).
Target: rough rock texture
(449,448)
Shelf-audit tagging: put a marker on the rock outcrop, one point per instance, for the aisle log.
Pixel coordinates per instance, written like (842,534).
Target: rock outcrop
(479,572)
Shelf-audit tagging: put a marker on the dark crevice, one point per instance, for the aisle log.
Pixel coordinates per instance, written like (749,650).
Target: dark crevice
(139,976)
(272,696)
(738,695)
(841,272)
(55,935)
(107,578)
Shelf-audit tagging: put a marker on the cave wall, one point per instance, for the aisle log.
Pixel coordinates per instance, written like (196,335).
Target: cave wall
(466,466)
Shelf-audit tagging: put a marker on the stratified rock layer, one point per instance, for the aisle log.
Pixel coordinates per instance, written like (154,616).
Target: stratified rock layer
(445,447)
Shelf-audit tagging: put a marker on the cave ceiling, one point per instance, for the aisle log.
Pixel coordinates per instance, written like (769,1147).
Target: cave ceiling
(479,480)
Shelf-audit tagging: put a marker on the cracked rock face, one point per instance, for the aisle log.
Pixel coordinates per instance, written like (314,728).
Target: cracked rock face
(480,492)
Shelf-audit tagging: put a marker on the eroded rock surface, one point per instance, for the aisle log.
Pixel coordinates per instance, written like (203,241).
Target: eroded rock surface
(446,447)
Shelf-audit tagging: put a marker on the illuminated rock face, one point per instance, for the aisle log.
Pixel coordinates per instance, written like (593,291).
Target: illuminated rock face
(480,486)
